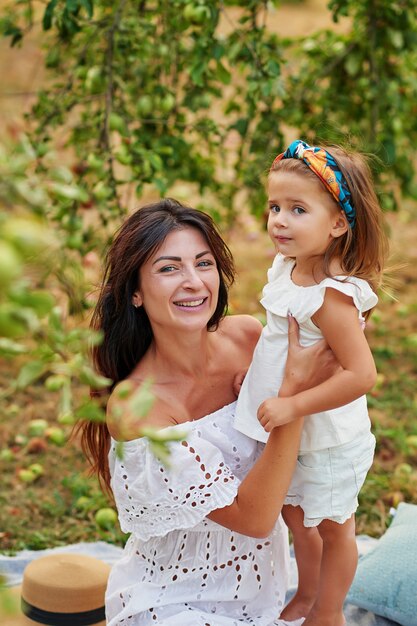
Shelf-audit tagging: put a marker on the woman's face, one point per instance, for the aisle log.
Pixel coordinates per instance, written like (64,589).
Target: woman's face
(179,283)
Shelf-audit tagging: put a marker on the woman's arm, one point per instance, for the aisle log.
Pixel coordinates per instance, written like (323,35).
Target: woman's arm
(338,321)
(261,494)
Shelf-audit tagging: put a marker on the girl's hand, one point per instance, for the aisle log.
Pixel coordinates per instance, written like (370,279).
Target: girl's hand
(306,367)
(276,412)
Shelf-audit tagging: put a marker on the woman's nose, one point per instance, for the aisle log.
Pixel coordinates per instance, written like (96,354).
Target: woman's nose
(191,277)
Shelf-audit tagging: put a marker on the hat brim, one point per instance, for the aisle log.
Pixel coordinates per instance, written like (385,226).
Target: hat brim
(17,618)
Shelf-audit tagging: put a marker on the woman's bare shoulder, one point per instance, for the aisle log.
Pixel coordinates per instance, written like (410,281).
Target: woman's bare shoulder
(242,328)
(133,405)
(238,324)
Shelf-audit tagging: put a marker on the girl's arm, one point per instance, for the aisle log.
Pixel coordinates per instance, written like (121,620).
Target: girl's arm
(338,321)
(261,494)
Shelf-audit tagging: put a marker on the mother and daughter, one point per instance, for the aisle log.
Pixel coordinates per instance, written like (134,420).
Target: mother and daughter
(207,544)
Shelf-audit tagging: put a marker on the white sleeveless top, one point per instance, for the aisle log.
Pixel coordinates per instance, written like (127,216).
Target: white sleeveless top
(178,567)
(265,374)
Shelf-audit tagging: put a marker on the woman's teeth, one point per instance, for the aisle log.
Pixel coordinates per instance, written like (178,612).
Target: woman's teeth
(190,304)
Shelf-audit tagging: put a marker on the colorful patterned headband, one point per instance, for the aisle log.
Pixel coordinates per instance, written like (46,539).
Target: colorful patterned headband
(326,169)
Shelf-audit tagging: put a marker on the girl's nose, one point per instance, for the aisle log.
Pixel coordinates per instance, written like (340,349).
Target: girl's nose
(279,219)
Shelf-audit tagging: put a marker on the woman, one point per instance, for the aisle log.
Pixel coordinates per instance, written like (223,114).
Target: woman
(206,545)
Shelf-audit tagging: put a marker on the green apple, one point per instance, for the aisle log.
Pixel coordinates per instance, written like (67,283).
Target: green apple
(106,518)
(26,476)
(403,469)
(83,503)
(37,427)
(56,435)
(167,103)
(145,105)
(37,469)
(196,13)
(117,123)
(6,455)
(94,81)
(412,441)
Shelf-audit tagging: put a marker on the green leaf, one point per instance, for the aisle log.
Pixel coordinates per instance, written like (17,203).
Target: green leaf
(41,301)
(69,192)
(196,74)
(88,6)
(241,126)
(8,347)
(223,74)
(29,373)
(142,400)
(91,412)
(89,377)
(48,14)
(55,319)
(72,5)
(155,161)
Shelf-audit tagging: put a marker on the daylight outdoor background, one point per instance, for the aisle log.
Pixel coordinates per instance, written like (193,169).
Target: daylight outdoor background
(46,496)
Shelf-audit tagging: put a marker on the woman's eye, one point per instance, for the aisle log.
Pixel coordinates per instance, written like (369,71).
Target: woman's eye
(167,268)
(205,263)
(274,208)
(298,210)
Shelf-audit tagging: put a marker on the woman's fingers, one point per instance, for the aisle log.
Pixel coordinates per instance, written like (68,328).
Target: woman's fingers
(293,333)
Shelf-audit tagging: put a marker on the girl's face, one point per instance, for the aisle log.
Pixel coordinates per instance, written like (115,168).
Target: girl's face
(179,283)
(303,217)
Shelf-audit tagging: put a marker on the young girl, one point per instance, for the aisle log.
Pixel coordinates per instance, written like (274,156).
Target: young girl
(326,224)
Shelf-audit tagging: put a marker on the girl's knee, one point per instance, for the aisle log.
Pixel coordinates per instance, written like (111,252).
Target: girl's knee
(333,531)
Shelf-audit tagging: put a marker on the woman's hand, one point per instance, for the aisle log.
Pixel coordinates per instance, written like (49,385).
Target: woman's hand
(238,381)
(306,367)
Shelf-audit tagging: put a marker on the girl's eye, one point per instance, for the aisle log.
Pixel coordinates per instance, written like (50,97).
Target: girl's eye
(298,210)
(274,208)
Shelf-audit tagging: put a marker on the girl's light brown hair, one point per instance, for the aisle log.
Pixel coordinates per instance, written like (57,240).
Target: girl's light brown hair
(361,251)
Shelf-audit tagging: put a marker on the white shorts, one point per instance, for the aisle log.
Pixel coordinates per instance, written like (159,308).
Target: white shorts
(326,483)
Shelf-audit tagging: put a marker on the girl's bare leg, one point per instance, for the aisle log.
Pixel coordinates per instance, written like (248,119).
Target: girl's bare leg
(338,566)
(307,548)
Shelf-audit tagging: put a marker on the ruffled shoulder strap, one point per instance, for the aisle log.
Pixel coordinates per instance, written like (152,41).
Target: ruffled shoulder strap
(311,298)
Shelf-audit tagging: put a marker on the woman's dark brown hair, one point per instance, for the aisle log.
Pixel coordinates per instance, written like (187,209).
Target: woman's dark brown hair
(127,333)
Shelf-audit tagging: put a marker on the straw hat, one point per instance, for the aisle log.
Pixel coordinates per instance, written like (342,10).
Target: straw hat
(61,590)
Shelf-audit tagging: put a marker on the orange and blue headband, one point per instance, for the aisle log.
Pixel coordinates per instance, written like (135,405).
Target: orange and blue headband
(326,169)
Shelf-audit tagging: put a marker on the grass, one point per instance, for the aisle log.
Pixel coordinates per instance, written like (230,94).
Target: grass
(60,506)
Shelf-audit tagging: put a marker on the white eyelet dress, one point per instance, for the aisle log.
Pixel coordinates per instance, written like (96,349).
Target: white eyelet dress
(178,567)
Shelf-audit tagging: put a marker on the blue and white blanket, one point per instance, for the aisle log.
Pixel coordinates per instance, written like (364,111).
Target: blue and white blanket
(13,566)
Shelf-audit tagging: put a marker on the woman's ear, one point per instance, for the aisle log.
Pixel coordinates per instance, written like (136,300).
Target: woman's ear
(137,299)
(340,225)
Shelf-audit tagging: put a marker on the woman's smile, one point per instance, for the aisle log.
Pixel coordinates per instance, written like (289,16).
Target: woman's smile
(180,277)
(190,304)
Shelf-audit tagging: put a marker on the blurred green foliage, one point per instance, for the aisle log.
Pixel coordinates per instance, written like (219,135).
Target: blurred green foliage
(148,94)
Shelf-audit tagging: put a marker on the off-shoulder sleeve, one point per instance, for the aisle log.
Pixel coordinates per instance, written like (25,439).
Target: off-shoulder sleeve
(153,499)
